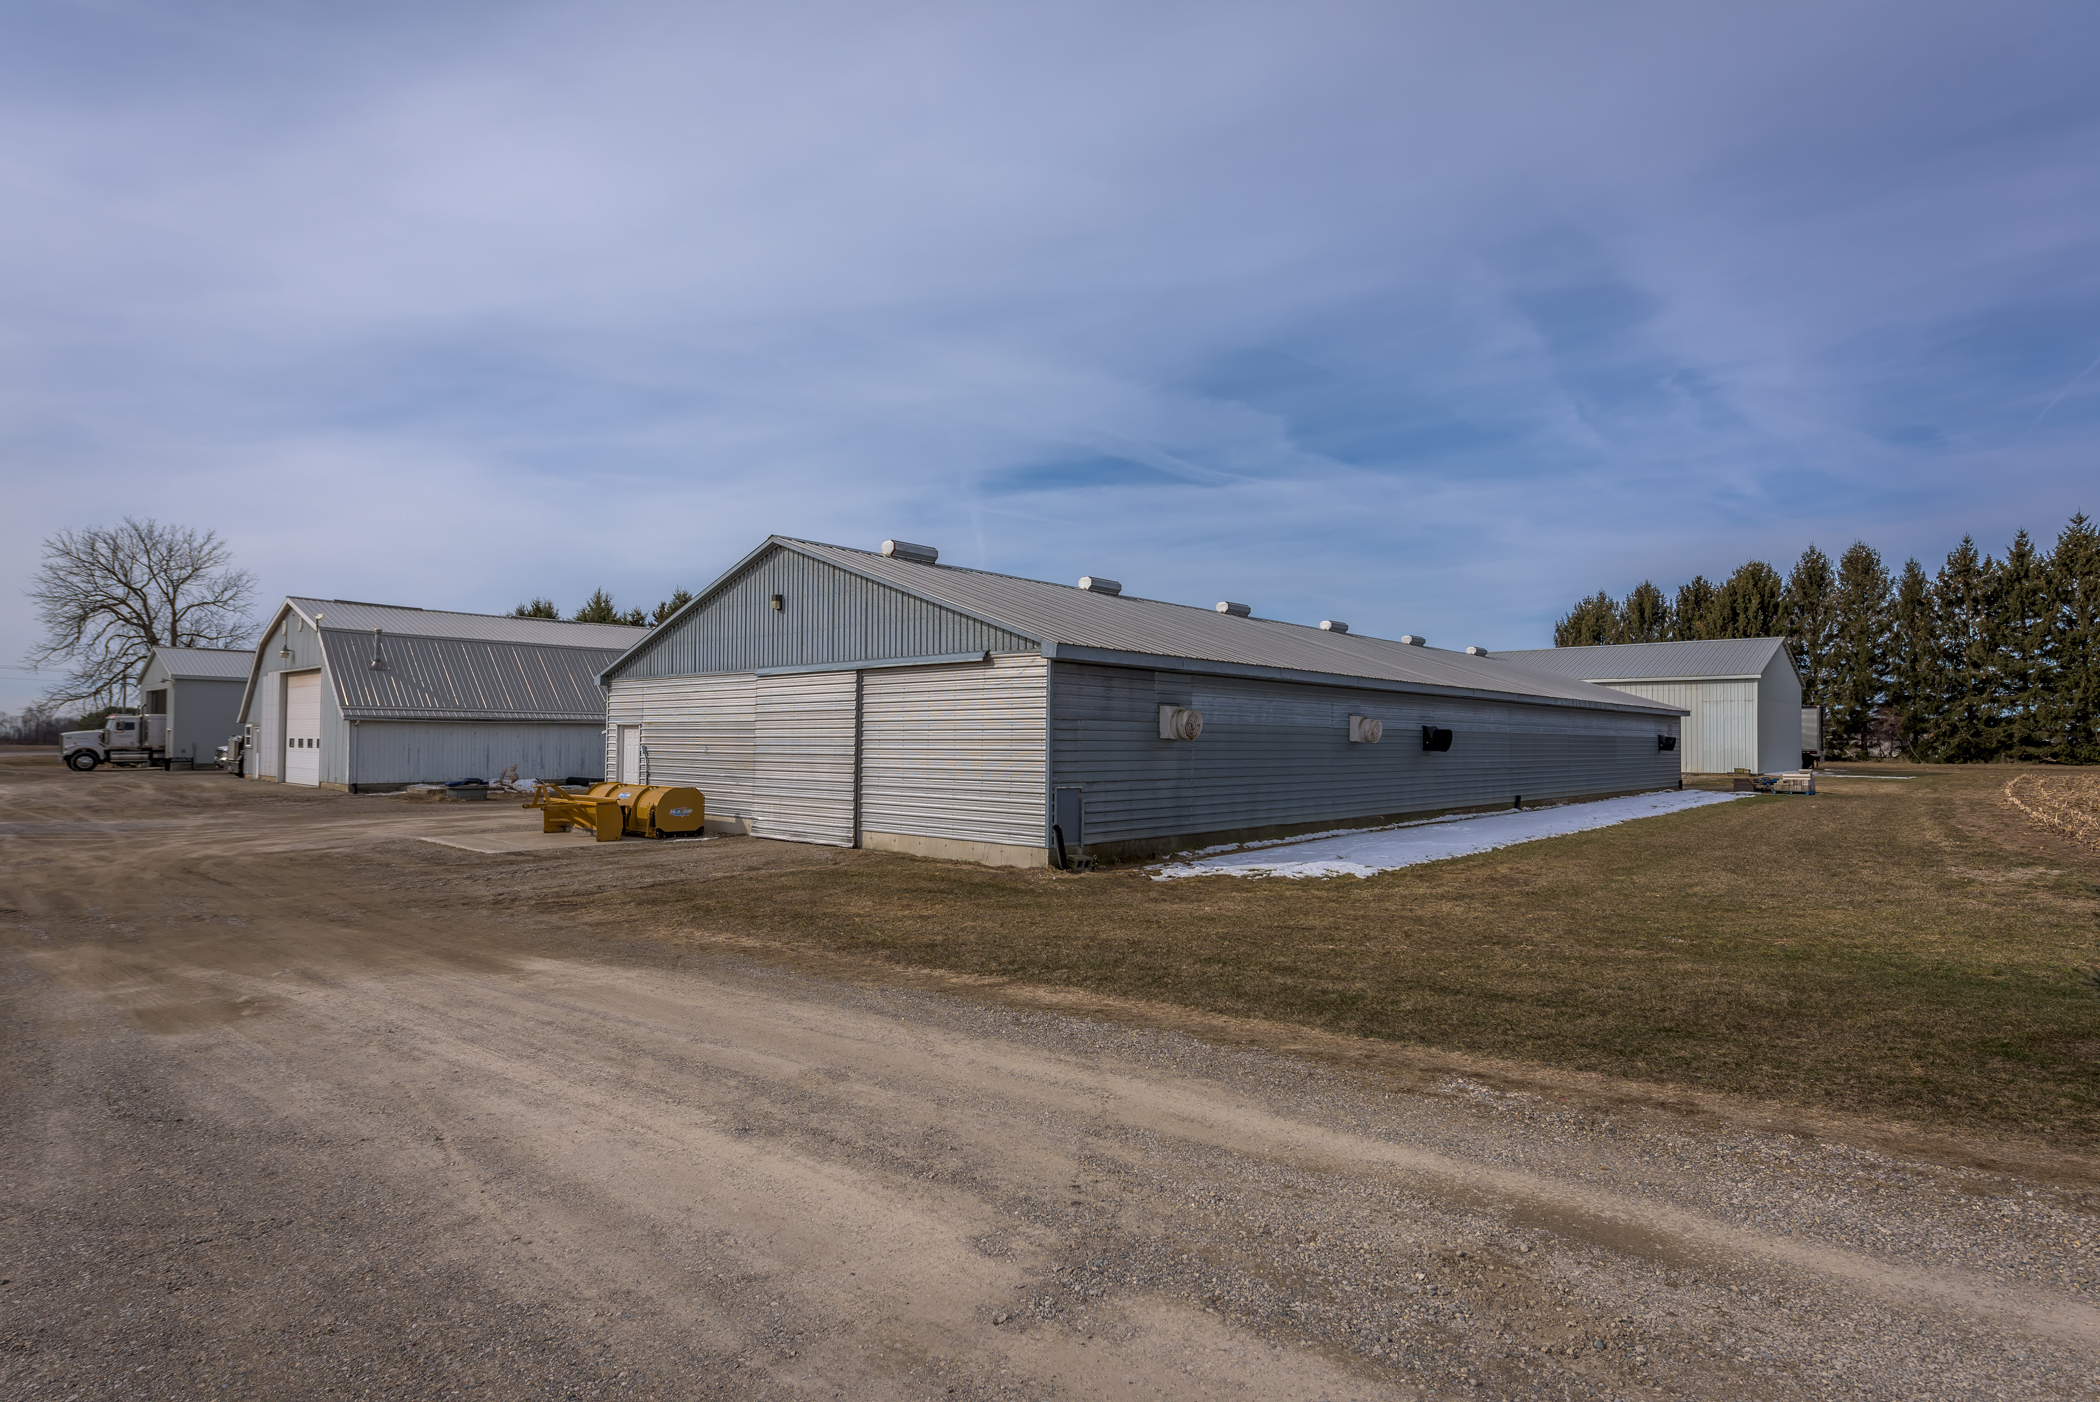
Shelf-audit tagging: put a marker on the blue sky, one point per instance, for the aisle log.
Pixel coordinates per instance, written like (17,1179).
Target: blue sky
(1426,317)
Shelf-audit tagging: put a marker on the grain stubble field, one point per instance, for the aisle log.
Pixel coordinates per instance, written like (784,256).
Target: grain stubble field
(300,1106)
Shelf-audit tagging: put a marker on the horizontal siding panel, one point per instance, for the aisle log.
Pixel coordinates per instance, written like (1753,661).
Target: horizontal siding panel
(956,751)
(1276,753)
(700,732)
(803,789)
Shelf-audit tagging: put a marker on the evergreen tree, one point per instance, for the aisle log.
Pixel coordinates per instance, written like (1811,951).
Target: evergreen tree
(538,608)
(1964,710)
(1749,605)
(2074,700)
(598,608)
(1914,650)
(1811,616)
(678,600)
(1645,616)
(1856,670)
(2023,670)
(1693,615)
(1595,620)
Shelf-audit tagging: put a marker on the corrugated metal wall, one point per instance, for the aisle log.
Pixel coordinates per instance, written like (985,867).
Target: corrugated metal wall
(956,751)
(700,731)
(1278,753)
(1720,734)
(828,615)
(803,789)
(414,752)
(268,706)
(1779,716)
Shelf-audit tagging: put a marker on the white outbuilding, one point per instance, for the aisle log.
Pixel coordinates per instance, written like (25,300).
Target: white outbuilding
(1741,696)
(199,690)
(371,697)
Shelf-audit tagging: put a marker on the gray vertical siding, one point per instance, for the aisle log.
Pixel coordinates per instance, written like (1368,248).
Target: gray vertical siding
(804,784)
(957,751)
(1779,716)
(1277,754)
(701,732)
(411,752)
(828,615)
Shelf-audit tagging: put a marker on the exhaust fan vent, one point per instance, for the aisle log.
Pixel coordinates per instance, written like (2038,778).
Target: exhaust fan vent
(1366,730)
(1666,742)
(1435,739)
(1094,584)
(1180,722)
(1236,610)
(1414,640)
(905,550)
(1477,652)
(1334,625)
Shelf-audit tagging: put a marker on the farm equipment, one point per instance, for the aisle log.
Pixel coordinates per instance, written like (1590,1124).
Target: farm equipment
(612,810)
(657,810)
(561,810)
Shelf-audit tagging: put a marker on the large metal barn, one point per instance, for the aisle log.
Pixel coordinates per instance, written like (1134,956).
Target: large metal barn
(822,694)
(369,697)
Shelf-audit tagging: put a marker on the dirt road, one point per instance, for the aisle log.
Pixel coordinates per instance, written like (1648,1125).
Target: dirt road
(299,1105)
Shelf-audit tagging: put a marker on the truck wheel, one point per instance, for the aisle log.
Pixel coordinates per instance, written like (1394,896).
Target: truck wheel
(82,760)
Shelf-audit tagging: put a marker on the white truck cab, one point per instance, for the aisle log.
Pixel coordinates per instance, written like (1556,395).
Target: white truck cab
(121,740)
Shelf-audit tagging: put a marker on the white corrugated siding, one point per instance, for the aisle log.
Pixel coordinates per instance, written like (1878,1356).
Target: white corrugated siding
(807,726)
(956,751)
(1720,734)
(699,731)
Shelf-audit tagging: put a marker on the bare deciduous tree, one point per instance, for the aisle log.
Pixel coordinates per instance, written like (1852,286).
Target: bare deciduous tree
(108,595)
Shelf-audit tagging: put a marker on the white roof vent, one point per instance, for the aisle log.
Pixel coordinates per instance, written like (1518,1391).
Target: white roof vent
(1334,625)
(1094,584)
(1414,640)
(1236,610)
(905,550)
(1477,652)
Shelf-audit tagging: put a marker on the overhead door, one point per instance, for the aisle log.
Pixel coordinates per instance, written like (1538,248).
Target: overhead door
(956,752)
(807,734)
(302,728)
(1727,728)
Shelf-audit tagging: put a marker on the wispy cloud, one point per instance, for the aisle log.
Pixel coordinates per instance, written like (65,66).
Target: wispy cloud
(1426,317)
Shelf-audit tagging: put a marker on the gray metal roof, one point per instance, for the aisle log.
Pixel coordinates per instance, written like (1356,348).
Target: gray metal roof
(462,678)
(441,665)
(1628,662)
(205,663)
(1076,623)
(486,627)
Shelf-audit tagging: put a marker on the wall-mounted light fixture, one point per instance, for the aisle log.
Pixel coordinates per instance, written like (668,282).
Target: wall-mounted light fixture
(778,601)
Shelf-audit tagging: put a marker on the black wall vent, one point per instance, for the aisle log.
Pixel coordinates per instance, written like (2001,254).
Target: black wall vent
(1666,742)
(1435,739)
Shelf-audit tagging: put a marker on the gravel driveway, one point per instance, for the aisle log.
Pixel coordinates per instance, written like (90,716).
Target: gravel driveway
(297,1107)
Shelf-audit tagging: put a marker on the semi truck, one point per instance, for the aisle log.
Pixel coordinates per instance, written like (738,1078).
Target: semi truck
(121,740)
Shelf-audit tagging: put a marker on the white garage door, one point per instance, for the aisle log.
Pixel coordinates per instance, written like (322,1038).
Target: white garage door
(302,728)
(804,788)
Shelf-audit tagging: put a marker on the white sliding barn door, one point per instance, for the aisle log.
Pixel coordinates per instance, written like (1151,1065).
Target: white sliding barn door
(808,746)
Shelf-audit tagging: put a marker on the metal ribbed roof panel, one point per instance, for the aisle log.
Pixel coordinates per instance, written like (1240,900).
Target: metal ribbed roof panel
(486,627)
(207,663)
(1074,617)
(1626,662)
(463,678)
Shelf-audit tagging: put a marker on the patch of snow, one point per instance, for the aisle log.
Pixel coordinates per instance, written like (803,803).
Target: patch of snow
(1362,852)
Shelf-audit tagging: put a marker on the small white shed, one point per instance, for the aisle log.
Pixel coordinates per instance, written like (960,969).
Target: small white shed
(199,690)
(1742,695)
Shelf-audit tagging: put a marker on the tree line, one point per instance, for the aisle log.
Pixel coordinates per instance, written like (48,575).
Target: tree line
(600,608)
(1985,658)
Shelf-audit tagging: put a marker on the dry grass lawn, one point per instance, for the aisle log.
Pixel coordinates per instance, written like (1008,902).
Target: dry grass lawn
(1915,949)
